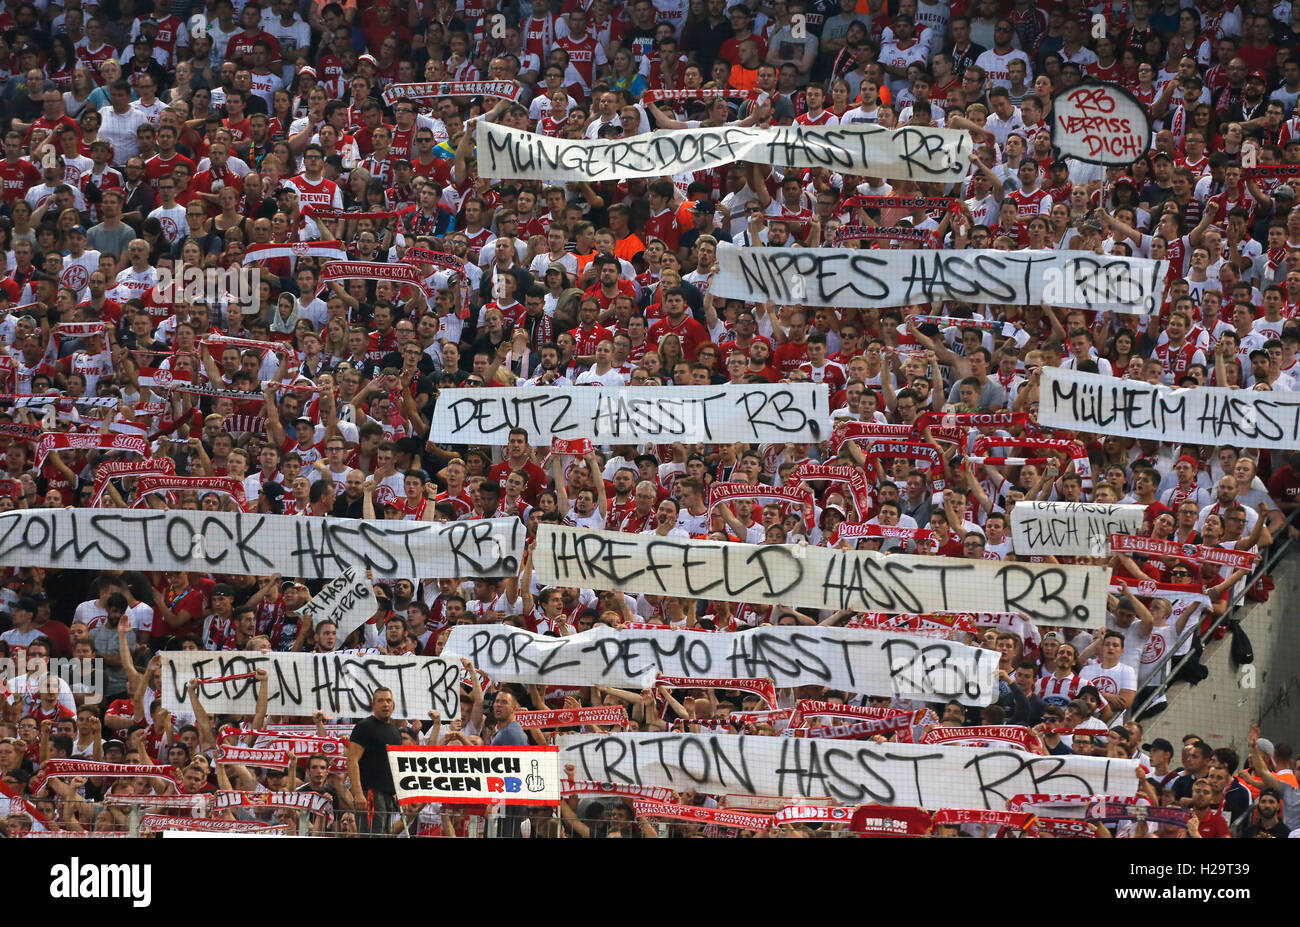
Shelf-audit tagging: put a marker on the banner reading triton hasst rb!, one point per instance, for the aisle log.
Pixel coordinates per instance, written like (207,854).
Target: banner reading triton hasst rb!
(476,775)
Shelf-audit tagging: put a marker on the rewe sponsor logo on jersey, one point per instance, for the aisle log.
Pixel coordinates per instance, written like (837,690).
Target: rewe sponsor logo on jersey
(76,879)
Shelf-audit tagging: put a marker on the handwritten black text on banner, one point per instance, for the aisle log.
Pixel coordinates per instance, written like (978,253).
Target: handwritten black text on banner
(1101,124)
(856,660)
(1073,529)
(346,600)
(846,279)
(910,153)
(1092,403)
(260,545)
(816,577)
(847,771)
(301,684)
(618,415)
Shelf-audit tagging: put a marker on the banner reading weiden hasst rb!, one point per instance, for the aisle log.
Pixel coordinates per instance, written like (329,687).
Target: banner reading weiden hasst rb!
(910,153)
(754,413)
(846,278)
(816,577)
(1091,403)
(476,775)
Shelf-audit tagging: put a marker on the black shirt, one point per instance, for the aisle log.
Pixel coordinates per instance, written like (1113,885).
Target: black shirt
(343,508)
(374,736)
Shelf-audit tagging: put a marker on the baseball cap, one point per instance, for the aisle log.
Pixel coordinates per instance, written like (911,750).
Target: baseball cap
(309,71)
(555,265)
(1257,75)
(1158,744)
(1052,636)
(368,58)
(26,603)
(302,419)
(222,589)
(76,230)
(704,206)
(1265,746)
(1190,459)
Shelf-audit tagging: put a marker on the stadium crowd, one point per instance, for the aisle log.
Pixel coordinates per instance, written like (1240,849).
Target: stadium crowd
(144,142)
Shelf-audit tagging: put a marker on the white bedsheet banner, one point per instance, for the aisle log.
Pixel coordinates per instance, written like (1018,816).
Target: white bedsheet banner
(846,278)
(848,771)
(1096,404)
(301,684)
(1075,529)
(910,153)
(856,660)
(762,413)
(817,577)
(260,545)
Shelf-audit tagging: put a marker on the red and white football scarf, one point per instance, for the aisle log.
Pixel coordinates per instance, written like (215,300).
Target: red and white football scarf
(890,821)
(789,496)
(951,321)
(79,329)
(1270,171)
(1188,553)
(253,756)
(1059,800)
(197,803)
(70,768)
(763,688)
(930,621)
(1063,827)
(855,478)
(588,787)
(314,802)
(162,377)
(247,343)
(726,93)
(773,716)
(66,441)
(719,816)
(152,823)
(157,466)
(147,485)
(927,203)
(333,215)
(809,708)
(329,250)
(852,532)
(881,233)
(372,270)
(1020,820)
(983,735)
(1010,461)
(19,431)
(564,717)
(973,419)
(433,90)
(861,730)
(436,258)
(812,814)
